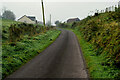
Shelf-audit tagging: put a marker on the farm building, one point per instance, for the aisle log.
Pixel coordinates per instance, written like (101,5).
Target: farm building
(73,20)
(28,19)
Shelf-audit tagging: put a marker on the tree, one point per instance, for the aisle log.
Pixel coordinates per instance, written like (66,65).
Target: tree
(57,22)
(106,10)
(113,8)
(7,14)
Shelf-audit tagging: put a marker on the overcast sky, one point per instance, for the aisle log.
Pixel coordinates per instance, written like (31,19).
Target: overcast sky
(59,9)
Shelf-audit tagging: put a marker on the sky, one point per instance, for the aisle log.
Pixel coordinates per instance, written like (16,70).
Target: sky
(59,9)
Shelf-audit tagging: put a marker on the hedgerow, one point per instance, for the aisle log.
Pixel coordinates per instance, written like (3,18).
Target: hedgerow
(16,55)
(21,42)
(103,32)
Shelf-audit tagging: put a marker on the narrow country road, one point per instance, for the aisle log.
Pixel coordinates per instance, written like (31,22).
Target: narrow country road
(62,59)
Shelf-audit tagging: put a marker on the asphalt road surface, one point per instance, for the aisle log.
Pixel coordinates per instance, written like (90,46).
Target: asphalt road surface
(62,59)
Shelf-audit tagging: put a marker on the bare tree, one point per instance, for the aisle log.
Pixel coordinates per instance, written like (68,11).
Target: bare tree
(7,14)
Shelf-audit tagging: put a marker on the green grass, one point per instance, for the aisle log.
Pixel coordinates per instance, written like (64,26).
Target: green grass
(17,53)
(8,22)
(4,27)
(94,63)
(99,39)
(14,56)
(6,30)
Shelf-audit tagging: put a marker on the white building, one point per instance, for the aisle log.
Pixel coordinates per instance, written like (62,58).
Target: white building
(28,19)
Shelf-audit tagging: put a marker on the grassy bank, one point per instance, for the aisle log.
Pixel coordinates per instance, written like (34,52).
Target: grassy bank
(99,36)
(17,55)
(21,42)
(13,31)
(94,63)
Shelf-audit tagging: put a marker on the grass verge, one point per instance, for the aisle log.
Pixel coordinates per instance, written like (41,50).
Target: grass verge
(14,56)
(96,68)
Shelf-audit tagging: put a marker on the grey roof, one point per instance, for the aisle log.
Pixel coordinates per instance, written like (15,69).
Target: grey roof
(73,20)
(32,18)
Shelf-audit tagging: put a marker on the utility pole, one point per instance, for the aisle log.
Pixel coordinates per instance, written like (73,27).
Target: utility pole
(43,14)
(50,19)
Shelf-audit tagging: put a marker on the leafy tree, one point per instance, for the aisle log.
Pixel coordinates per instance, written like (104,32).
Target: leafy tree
(7,14)
(57,22)
(106,10)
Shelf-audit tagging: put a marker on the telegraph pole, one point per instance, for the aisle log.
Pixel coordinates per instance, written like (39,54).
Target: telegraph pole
(50,19)
(43,14)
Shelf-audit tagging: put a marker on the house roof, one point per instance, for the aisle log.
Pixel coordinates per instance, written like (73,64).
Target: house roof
(30,17)
(73,19)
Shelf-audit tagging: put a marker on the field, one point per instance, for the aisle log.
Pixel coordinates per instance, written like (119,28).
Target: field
(15,54)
